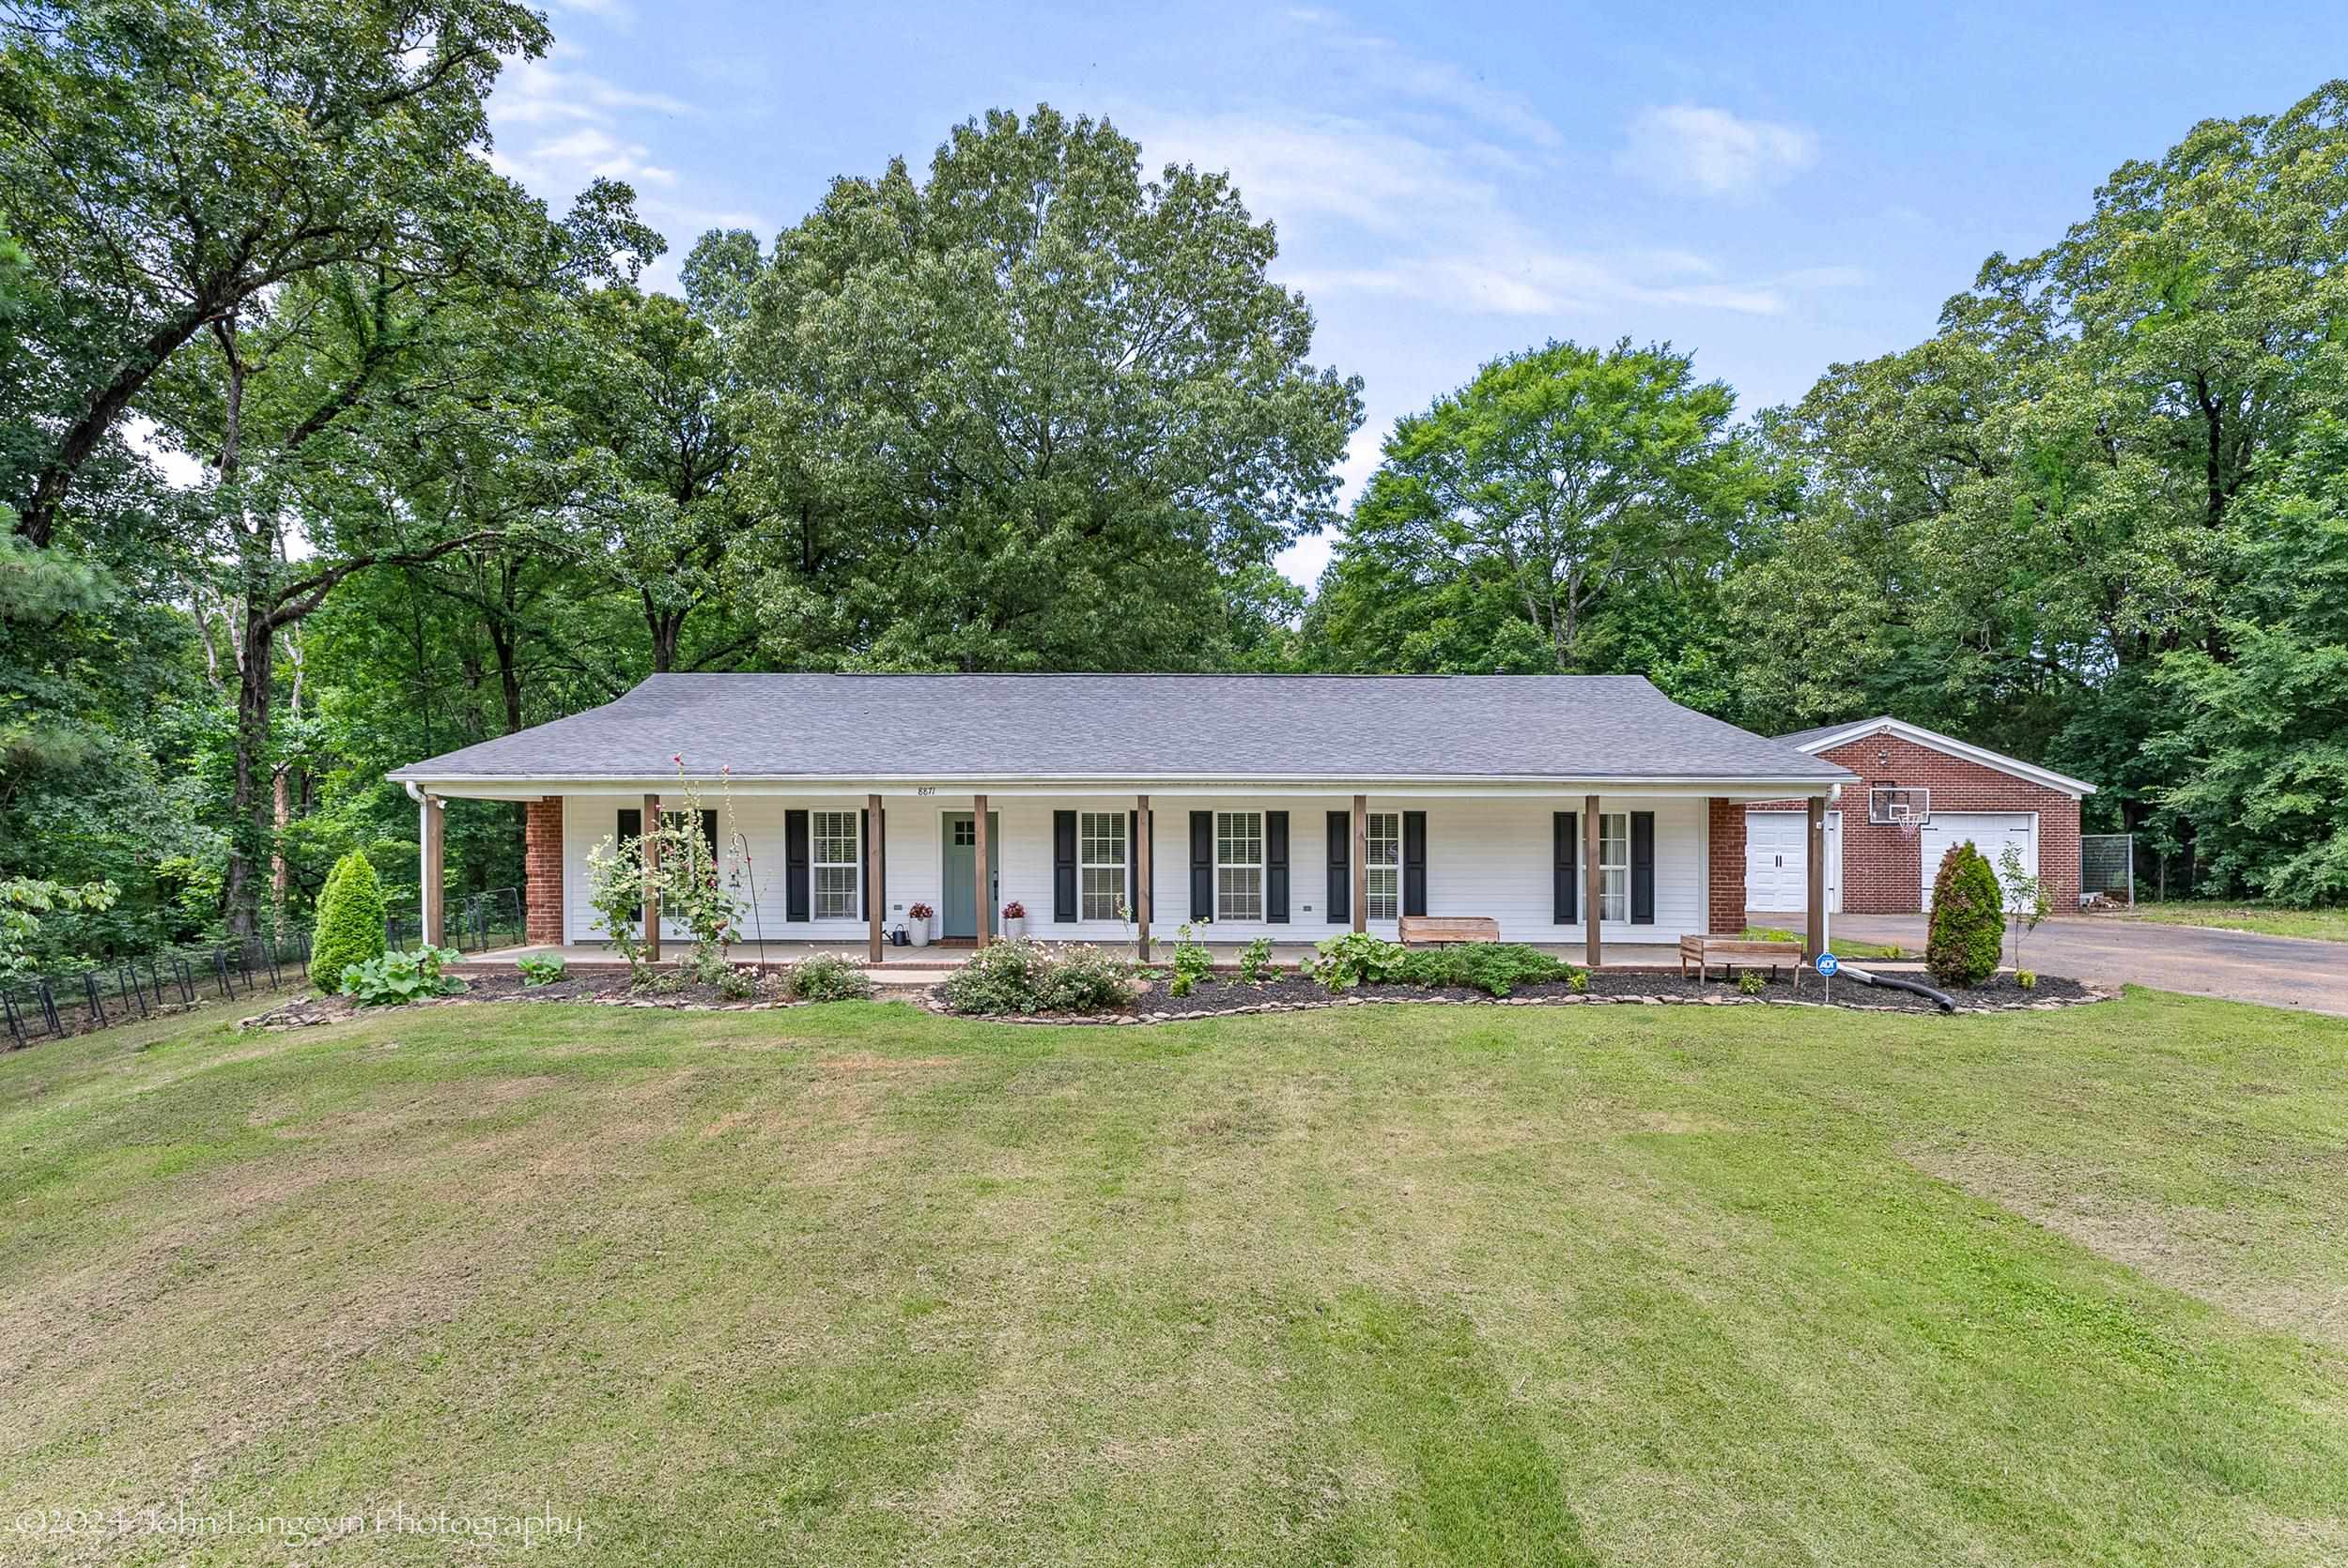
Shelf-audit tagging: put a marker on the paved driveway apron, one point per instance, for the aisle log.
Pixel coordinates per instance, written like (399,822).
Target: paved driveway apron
(2279,971)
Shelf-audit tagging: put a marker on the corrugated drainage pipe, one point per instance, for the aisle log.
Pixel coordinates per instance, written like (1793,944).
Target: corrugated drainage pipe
(1946,1003)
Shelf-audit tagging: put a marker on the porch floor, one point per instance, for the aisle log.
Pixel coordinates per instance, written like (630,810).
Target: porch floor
(1614,955)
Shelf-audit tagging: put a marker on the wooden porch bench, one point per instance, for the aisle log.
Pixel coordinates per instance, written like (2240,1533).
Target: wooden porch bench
(1735,952)
(1448,927)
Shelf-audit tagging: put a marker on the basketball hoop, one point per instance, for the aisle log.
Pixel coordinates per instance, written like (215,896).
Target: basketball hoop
(1910,829)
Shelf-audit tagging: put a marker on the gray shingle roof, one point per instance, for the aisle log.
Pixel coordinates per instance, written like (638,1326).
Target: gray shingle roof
(1388,726)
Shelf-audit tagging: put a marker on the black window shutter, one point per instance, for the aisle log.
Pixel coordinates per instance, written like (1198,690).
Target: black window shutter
(1413,862)
(1643,868)
(1063,865)
(632,826)
(1202,864)
(796,905)
(1340,865)
(864,862)
(1276,866)
(1566,844)
(1135,849)
(709,834)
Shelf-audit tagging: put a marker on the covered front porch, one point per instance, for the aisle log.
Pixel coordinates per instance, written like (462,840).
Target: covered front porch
(1608,878)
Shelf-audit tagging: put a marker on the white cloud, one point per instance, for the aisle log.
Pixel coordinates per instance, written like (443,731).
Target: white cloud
(1713,151)
(1440,234)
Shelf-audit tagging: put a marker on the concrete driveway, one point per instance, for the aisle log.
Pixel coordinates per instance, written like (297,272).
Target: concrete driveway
(2277,971)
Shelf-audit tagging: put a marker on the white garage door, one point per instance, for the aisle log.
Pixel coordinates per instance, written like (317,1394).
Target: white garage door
(1990,833)
(1777,862)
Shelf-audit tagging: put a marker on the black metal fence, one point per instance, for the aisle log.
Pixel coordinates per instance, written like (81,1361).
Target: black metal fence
(73,1002)
(48,1007)
(475,924)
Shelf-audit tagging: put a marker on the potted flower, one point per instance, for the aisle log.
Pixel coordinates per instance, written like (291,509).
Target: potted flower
(917,928)
(1015,919)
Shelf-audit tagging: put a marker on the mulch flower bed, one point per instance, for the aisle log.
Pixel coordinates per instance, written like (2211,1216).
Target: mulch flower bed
(600,989)
(1220,994)
(1295,994)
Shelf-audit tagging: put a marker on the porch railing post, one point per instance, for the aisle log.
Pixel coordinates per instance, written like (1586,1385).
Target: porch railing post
(434,906)
(1813,935)
(1140,848)
(1593,882)
(651,878)
(872,879)
(1361,863)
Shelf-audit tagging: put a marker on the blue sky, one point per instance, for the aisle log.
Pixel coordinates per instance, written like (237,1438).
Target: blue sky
(1774,192)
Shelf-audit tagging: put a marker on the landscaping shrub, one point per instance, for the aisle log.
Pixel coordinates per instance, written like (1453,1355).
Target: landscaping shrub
(738,984)
(540,969)
(1086,980)
(1749,983)
(1255,961)
(392,980)
(1191,962)
(1356,958)
(1494,968)
(2026,978)
(828,978)
(1023,978)
(351,921)
(1967,918)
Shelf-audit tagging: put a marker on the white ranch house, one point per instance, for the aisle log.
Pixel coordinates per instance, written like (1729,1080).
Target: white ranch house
(1115,807)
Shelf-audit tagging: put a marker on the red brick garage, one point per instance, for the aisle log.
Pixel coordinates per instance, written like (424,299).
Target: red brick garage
(1963,792)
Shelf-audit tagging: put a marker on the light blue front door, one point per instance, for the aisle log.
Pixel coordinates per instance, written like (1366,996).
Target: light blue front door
(959,902)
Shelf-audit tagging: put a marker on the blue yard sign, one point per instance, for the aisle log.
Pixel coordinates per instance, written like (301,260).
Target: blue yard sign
(1829,963)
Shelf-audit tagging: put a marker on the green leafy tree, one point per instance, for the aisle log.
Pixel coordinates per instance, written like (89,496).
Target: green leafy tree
(2259,746)
(350,918)
(171,164)
(1552,515)
(1034,411)
(1968,927)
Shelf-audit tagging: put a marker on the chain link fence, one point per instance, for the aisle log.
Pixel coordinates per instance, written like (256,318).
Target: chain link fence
(2108,866)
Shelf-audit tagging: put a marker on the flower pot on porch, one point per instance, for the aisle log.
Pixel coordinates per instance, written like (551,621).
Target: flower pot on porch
(918,933)
(1015,927)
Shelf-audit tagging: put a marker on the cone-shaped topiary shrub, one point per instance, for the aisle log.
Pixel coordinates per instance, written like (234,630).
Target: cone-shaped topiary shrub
(351,921)
(1967,918)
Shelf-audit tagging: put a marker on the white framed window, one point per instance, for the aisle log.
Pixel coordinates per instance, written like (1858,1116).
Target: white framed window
(1100,865)
(1384,862)
(1614,866)
(1238,866)
(837,859)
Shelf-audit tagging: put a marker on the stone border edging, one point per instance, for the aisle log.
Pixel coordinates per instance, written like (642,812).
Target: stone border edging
(933,1004)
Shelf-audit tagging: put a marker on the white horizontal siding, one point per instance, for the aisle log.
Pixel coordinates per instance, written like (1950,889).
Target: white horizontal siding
(1484,858)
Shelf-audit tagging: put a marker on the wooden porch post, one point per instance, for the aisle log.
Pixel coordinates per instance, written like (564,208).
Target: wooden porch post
(651,878)
(984,896)
(1814,937)
(1592,881)
(1361,863)
(1141,876)
(875,848)
(435,902)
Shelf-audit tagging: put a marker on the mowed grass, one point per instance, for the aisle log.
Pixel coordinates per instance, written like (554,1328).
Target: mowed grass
(1380,1285)
(2325,925)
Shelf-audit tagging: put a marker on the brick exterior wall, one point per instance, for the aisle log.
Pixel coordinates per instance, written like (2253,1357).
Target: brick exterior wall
(1884,870)
(542,868)
(1725,896)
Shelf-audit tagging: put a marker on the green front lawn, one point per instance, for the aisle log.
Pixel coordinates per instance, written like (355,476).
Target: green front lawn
(2329,925)
(1845,947)
(1512,1285)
